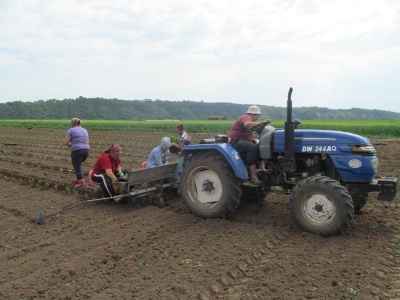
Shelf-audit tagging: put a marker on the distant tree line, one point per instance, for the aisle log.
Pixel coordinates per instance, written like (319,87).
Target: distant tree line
(114,109)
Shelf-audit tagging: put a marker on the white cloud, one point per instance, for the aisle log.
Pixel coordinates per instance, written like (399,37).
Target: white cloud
(246,51)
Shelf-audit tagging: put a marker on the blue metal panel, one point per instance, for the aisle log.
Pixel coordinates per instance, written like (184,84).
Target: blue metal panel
(350,166)
(227,151)
(304,137)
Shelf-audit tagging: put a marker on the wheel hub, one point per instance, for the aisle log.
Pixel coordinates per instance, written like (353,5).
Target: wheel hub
(208,186)
(319,208)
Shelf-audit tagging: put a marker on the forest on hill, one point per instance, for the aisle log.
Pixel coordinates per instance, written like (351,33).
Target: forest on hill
(115,109)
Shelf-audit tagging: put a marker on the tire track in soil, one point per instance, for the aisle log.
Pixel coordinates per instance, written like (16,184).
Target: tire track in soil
(254,272)
(245,279)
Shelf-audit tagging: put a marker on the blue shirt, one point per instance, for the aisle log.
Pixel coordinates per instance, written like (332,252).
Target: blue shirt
(79,138)
(157,157)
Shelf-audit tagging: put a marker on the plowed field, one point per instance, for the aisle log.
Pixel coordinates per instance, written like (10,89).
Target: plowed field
(106,250)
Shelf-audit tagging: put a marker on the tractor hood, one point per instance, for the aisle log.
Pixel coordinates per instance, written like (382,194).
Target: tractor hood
(353,156)
(319,139)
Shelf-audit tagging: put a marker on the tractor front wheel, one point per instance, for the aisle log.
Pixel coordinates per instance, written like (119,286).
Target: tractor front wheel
(321,206)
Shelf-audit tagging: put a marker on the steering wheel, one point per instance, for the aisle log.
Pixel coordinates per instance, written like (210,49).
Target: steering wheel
(259,127)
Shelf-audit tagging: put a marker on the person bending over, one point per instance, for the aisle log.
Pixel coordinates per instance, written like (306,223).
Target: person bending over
(159,155)
(107,169)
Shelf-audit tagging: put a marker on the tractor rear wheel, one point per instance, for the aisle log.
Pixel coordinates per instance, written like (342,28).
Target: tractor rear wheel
(321,206)
(208,186)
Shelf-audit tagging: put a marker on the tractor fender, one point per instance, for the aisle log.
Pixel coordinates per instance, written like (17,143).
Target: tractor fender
(226,150)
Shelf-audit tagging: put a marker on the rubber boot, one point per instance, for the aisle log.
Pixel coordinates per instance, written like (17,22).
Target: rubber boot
(80,184)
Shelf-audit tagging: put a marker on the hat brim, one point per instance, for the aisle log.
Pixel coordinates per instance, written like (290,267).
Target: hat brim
(253,113)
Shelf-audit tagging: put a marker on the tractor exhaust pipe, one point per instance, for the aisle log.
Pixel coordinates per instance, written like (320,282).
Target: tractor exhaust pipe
(290,164)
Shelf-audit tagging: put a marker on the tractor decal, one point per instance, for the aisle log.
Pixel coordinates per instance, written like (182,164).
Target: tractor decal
(355,163)
(324,148)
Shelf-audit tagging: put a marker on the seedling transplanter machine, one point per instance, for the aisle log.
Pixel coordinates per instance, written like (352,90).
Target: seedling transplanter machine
(146,183)
(328,174)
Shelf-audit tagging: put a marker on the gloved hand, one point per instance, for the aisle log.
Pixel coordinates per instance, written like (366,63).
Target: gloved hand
(121,175)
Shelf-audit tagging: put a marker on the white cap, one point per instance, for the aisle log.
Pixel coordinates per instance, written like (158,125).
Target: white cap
(255,110)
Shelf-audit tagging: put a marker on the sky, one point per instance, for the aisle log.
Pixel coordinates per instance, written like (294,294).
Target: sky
(338,54)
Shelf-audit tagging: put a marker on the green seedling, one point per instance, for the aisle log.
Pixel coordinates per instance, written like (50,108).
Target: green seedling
(187,261)
(143,264)
(197,267)
(396,241)
(262,235)
(222,237)
(352,292)
(167,289)
(373,227)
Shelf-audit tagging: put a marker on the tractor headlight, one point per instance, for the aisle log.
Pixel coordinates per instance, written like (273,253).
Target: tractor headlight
(374,163)
(363,149)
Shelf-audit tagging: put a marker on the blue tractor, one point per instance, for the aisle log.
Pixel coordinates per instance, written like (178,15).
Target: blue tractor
(328,175)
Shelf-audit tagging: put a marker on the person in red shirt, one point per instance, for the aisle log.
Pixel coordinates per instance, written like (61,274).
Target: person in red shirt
(244,142)
(107,169)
